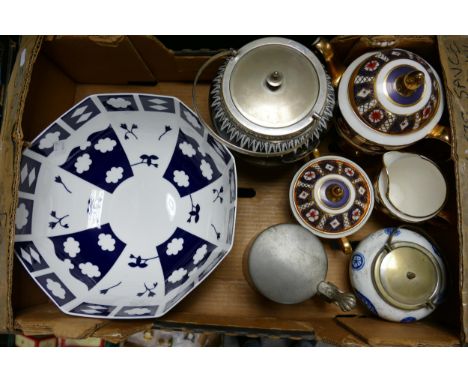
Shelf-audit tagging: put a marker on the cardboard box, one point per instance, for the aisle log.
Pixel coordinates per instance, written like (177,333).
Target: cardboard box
(53,73)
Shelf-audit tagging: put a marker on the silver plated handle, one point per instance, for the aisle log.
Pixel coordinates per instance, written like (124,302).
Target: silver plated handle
(331,293)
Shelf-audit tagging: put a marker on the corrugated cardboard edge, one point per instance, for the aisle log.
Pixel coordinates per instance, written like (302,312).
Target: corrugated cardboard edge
(11,140)
(453,51)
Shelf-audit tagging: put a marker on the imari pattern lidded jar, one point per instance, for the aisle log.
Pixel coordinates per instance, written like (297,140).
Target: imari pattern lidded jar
(331,196)
(389,99)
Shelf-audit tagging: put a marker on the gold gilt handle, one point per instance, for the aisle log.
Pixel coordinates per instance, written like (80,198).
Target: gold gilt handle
(346,246)
(442,133)
(335,69)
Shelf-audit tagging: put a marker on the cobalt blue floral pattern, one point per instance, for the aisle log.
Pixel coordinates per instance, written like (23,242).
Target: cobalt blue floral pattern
(211,264)
(45,143)
(90,254)
(102,162)
(190,170)
(55,288)
(182,254)
(408,319)
(137,311)
(170,304)
(78,252)
(390,230)
(357,261)
(116,102)
(366,302)
(24,213)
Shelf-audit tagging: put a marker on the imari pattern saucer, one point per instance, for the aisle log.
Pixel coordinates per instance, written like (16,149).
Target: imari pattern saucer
(125,205)
(331,196)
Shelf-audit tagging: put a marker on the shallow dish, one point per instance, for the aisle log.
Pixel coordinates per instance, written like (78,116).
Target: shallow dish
(125,205)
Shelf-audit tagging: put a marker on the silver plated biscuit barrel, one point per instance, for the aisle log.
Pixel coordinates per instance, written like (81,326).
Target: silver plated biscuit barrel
(271,100)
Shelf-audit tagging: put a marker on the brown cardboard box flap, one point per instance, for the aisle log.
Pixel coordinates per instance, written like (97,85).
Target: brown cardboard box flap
(166,66)
(421,333)
(47,319)
(453,52)
(98,59)
(10,150)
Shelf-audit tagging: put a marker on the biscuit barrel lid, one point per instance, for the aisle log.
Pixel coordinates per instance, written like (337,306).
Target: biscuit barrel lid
(272,95)
(331,196)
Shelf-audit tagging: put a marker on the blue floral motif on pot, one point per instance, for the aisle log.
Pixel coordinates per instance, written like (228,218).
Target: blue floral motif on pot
(390,230)
(357,261)
(366,302)
(408,319)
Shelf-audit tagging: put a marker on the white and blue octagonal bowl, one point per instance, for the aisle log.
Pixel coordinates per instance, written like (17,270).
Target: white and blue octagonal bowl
(398,274)
(126,204)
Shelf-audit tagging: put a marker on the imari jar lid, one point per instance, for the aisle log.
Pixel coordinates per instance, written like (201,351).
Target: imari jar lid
(331,196)
(391,97)
(272,95)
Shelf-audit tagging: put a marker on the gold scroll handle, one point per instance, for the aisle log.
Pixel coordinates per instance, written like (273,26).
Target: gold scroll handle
(335,68)
(442,133)
(346,246)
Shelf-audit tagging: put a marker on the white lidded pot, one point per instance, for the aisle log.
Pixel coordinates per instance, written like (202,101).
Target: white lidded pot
(410,187)
(287,264)
(398,274)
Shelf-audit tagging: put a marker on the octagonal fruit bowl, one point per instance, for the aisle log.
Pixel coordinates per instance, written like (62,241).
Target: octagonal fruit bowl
(125,205)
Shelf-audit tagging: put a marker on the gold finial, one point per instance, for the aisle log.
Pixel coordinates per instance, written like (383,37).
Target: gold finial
(408,83)
(334,193)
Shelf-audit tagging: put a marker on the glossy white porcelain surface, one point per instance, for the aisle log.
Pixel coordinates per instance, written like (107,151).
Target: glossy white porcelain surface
(125,205)
(412,187)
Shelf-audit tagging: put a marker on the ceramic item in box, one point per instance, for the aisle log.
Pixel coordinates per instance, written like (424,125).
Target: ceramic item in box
(288,264)
(388,100)
(331,196)
(410,187)
(398,274)
(126,203)
(272,99)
